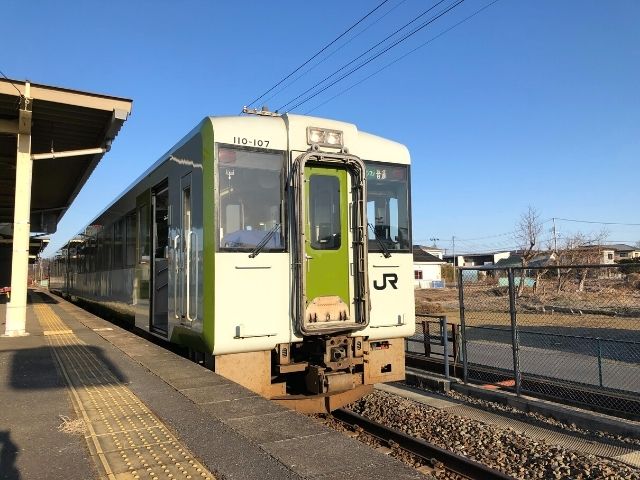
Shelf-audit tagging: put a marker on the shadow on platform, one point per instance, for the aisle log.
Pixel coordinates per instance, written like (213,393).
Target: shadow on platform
(36,368)
(8,456)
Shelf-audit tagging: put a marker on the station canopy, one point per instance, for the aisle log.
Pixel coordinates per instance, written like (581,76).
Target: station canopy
(62,120)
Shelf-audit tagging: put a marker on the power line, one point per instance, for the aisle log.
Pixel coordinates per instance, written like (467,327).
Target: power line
(599,223)
(370,59)
(13,84)
(320,51)
(402,56)
(333,52)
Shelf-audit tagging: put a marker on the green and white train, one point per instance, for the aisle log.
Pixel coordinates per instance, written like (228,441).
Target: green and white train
(277,248)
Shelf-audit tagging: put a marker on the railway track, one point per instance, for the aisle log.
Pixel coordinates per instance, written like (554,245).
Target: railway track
(430,454)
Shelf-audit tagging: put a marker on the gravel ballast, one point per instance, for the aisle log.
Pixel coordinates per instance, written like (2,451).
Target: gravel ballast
(503,449)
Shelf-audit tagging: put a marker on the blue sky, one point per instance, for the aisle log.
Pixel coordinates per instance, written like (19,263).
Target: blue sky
(527,103)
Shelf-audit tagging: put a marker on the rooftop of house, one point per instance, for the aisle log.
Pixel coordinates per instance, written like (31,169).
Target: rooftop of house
(421,256)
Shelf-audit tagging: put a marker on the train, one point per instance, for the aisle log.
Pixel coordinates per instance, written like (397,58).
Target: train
(274,248)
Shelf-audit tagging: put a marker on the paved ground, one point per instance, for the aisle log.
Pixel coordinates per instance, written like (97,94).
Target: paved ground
(82,398)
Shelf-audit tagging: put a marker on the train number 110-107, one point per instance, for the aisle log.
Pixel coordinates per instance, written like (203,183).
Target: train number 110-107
(252,142)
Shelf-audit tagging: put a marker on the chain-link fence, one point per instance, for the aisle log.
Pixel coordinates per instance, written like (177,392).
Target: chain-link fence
(570,332)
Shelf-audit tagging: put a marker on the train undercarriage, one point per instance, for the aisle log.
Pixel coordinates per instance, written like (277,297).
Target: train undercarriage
(319,374)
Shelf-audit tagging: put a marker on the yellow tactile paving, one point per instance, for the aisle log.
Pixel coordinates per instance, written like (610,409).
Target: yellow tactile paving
(126,440)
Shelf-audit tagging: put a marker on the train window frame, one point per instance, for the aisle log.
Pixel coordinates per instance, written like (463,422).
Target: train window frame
(373,244)
(279,228)
(130,227)
(118,243)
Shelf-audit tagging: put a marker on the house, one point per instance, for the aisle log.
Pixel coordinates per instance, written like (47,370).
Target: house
(427,268)
(539,260)
(476,259)
(435,251)
(590,254)
(623,252)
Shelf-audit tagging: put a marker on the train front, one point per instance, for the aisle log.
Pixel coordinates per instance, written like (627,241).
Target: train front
(344,224)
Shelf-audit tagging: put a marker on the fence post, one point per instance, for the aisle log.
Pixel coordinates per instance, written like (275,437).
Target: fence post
(445,344)
(515,341)
(426,338)
(599,360)
(463,331)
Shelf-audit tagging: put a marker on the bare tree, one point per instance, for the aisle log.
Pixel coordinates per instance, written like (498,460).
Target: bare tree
(580,249)
(527,236)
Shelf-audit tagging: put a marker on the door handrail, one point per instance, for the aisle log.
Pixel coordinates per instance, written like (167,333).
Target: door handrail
(176,277)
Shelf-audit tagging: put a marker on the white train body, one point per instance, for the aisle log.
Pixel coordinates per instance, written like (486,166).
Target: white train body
(276,247)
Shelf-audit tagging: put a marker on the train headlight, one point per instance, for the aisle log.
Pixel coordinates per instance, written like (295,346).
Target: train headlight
(324,137)
(334,138)
(314,135)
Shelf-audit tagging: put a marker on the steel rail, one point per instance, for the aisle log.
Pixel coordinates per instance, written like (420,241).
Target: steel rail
(427,451)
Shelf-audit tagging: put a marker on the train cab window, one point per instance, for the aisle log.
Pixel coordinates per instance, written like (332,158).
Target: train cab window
(388,207)
(250,199)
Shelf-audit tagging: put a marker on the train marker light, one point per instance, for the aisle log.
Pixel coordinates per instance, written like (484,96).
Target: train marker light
(324,137)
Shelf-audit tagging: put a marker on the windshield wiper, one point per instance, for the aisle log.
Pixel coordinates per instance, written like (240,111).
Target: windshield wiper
(256,251)
(385,250)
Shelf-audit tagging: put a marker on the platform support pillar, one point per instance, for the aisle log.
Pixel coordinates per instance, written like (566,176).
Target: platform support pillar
(17,306)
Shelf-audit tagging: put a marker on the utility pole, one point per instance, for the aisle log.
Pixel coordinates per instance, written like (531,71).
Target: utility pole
(555,249)
(453,251)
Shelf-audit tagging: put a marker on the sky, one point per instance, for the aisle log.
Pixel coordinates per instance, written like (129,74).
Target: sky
(527,103)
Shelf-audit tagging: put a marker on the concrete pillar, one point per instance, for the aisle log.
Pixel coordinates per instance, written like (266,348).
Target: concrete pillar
(17,306)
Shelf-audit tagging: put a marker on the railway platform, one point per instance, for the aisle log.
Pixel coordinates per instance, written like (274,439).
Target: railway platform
(81,398)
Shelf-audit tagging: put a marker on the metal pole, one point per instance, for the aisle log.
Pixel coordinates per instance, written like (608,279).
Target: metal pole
(599,360)
(463,331)
(445,344)
(515,342)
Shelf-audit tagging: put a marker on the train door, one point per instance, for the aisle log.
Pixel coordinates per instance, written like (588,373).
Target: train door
(331,280)
(160,265)
(327,245)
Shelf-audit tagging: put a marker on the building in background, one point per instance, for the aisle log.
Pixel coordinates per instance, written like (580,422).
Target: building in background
(427,267)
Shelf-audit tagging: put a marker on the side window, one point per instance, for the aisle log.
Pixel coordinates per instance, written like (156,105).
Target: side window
(118,244)
(144,234)
(130,236)
(108,248)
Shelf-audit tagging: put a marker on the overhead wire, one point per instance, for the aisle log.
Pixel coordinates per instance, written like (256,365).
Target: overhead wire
(320,51)
(402,57)
(599,223)
(369,50)
(13,84)
(334,52)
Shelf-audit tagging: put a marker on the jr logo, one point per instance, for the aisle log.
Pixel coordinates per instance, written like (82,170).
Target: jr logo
(392,278)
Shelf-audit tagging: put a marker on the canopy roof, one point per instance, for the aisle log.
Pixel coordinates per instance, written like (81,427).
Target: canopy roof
(61,120)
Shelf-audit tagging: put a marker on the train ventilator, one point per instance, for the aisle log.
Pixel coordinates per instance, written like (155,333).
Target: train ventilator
(276,248)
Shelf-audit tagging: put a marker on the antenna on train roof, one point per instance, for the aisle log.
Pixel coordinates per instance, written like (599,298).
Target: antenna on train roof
(264,111)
